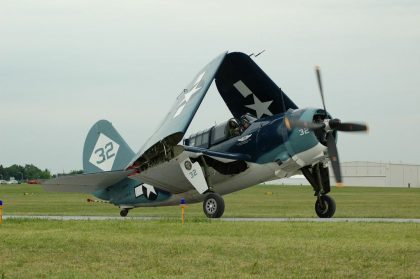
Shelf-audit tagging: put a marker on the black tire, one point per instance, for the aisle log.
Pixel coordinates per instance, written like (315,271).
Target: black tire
(325,207)
(213,205)
(124,212)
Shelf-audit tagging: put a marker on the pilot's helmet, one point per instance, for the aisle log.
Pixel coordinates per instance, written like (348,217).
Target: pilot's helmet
(244,119)
(233,123)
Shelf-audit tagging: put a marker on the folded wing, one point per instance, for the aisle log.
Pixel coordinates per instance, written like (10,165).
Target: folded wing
(245,88)
(176,122)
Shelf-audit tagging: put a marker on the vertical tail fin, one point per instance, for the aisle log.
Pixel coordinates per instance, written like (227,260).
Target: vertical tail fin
(105,149)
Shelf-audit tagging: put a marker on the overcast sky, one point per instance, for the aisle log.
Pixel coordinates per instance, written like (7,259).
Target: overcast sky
(66,64)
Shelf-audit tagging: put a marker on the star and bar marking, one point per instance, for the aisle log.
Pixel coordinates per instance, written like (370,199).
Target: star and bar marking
(187,96)
(139,190)
(260,108)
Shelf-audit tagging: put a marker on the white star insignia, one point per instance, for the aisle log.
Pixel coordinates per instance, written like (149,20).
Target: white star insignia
(260,108)
(187,96)
(194,90)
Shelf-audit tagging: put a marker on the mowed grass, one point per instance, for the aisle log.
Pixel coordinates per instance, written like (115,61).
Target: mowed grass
(257,201)
(203,248)
(207,249)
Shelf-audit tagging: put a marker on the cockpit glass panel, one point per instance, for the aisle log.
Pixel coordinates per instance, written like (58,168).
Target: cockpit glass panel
(219,133)
(205,139)
(198,140)
(192,141)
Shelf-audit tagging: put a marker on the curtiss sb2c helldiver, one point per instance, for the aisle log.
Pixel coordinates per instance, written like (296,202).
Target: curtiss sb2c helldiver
(267,138)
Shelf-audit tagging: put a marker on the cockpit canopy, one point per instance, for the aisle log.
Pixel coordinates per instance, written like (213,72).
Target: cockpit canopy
(219,133)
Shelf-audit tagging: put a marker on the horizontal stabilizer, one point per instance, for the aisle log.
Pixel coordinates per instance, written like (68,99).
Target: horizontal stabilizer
(85,183)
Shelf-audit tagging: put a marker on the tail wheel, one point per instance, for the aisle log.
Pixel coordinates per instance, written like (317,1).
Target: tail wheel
(213,205)
(124,212)
(325,206)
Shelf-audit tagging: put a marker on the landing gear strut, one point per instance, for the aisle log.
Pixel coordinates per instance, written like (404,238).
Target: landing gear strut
(325,206)
(318,177)
(124,212)
(213,205)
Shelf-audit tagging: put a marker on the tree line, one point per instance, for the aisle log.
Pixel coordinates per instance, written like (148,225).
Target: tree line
(28,172)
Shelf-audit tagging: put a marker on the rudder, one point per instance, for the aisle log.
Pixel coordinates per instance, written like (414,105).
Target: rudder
(105,149)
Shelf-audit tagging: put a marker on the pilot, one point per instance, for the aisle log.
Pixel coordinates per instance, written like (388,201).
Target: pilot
(244,122)
(234,129)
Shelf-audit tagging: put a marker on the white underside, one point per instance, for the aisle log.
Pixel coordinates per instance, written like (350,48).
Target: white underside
(310,156)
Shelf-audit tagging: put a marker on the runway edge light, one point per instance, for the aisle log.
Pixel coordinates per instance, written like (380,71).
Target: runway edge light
(183,206)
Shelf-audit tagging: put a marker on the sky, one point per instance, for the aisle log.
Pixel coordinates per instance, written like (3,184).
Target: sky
(66,64)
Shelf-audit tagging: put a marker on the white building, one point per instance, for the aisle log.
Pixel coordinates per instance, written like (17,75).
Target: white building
(379,174)
(367,174)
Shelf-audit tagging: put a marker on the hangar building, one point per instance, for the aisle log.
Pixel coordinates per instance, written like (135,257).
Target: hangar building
(373,174)
(379,174)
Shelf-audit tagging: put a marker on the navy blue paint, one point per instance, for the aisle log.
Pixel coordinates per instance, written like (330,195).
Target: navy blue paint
(225,155)
(267,142)
(239,66)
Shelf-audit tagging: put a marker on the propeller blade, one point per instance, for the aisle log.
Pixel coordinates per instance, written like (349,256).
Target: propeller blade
(335,162)
(291,123)
(352,127)
(330,125)
(318,75)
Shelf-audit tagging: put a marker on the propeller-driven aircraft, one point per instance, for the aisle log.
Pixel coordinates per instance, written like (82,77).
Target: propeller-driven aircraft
(267,138)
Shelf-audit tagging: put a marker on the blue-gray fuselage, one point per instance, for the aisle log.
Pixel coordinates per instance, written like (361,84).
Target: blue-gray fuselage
(265,141)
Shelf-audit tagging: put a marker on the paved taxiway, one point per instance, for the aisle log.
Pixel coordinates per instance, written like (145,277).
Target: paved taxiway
(316,220)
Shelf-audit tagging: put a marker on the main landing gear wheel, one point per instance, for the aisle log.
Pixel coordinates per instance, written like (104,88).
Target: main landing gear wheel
(325,206)
(213,205)
(124,212)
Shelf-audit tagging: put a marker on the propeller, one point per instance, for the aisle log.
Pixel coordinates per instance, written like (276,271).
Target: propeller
(329,126)
(318,76)
(335,162)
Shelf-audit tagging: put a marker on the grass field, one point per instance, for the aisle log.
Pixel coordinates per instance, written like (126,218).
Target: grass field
(258,201)
(156,249)
(212,249)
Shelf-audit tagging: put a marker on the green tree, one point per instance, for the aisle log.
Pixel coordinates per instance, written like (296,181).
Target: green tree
(15,171)
(33,172)
(29,171)
(1,172)
(45,174)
